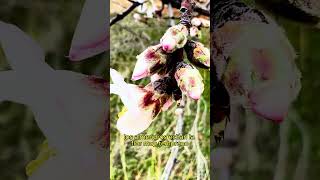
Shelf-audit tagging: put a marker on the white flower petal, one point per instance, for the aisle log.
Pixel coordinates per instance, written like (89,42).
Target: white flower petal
(23,53)
(272,101)
(129,93)
(87,113)
(133,123)
(116,77)
(89,165)
(91,35)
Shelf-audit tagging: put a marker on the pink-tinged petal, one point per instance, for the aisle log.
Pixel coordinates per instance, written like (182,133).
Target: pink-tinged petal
(271,102)
(262,63)
(141,71)
(23,54)
(174,38)
(261,73)
(195,94)
(168,44)
(91,34)
(149,62)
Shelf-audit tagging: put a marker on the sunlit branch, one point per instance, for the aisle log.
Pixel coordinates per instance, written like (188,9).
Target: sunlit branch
(119,17)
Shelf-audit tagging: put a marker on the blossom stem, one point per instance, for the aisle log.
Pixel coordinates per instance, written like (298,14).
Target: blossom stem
(174,150)
(201,160)
(119,17)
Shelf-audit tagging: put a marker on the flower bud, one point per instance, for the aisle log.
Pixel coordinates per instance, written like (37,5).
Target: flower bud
(149,62)
(189,81)
(198,54)
(174,38)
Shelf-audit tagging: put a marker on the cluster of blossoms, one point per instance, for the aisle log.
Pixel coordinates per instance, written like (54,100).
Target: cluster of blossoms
(171,77)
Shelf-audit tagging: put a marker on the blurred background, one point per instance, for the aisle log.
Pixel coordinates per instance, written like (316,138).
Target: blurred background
(51,24)
(288,151)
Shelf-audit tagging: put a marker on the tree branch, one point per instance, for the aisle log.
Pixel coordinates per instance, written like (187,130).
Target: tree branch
(119,17)
(177,4)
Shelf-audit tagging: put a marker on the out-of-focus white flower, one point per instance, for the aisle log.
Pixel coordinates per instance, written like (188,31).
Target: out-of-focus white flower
(91,35)
(261,73)
(69,108)
(199,21)
(141,105)
(149,62)
(146,8)
(149,7)
(196,22)
(157,5)
(174,38)
(137,17)
(194,31)
(190,81)
(205,22)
